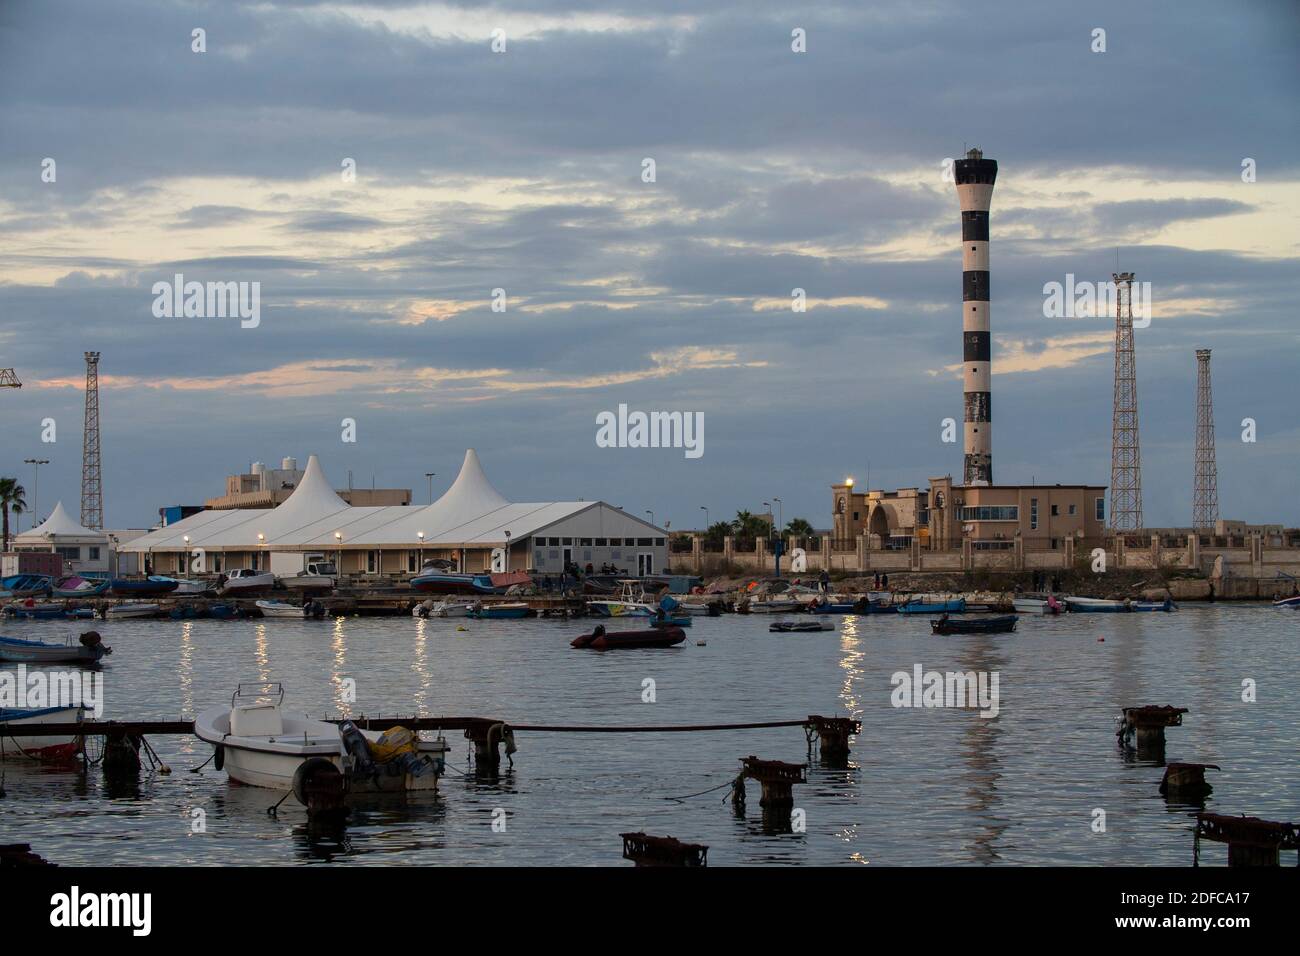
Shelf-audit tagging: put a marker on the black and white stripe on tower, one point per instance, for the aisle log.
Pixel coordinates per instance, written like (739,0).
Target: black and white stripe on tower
(975,176)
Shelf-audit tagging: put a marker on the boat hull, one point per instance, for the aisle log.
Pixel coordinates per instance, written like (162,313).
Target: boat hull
(500,612)
(1291,603)
(943,607)
(988,625)
(15,651)
(13,745)
(616,640)
(1095,606)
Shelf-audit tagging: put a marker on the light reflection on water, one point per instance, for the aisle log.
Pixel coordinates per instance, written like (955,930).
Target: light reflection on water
(924,786)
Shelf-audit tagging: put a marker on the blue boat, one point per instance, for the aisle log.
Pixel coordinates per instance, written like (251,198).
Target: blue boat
(142,587)
(943,607)
(1166,605)
(25,585)
(88,650)
(224,612)
(683,620)
(499,611)
(1081,605)
(436,581)
(47,612)
(79,586)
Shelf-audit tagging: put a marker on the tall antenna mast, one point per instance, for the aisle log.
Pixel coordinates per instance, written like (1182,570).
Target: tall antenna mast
(1125,452)
(92,498)
(1205,493)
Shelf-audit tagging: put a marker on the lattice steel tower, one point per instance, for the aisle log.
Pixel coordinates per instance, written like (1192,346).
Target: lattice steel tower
(1205,494)
(1125,452)
(92,498)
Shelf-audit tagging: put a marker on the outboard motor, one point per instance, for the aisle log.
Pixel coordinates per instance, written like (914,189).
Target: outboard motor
(91,639)
(356,747)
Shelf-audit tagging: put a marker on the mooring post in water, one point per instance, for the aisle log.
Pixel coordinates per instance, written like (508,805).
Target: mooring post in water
(646,850)
(1143,728)
(487,735)
(1186,781)
(834,733)
(122,753)
(1251,841)
(777,779)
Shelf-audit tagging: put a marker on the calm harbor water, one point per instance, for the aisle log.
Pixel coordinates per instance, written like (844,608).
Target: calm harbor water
(924,786)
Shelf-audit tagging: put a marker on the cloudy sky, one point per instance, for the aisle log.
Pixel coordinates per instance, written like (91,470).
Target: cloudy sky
(522,170)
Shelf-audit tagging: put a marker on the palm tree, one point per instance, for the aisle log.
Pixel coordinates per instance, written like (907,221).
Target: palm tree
(11,498)
(746,527)
(799,528)
(715,534)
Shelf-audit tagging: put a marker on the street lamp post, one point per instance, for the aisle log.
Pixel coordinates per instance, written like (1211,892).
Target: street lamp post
(338,549)
(36,483)
(186,539)
(706,518)
(507,552)
(420,535)
(651,514)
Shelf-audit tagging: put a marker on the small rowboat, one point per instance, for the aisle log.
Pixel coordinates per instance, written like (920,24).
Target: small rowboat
(147,587)
(119,611)
(941,607)
(775,606)
(25,585)
(75,586)
(1166,605)
(676,620)
(655,637)
(443,608)
(46,612)
(494,612)
(1291,602)
(799,627)
(224,612)
(1048,605)
(974,625)
(1082,605)
(312,610)
(54,749)
(89,649)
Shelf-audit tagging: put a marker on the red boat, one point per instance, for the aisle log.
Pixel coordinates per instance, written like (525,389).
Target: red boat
(654,637)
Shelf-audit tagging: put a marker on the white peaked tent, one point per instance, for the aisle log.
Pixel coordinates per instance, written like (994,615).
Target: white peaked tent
(470,520)
(83,548)
(59,524)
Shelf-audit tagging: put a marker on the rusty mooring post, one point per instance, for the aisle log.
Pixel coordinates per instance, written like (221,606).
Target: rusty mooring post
(326,795)
(122,753)
(777,779)
(487,736)
(1251,841)
(646,850)
(1186,782)
(834,733)
(1143,728)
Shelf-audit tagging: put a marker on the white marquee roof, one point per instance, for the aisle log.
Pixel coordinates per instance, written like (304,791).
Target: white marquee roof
(471,513)
(59,524)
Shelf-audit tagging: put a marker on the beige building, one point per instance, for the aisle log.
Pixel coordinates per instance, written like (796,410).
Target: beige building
(263,487)
(991,516)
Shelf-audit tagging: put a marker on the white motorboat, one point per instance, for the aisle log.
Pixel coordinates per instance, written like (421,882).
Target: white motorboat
(135,609)
(318,576)
(260,744)
(1288,602)
(631,602)
(14,745)
(246,579)
(773,607)
(308,611)
(1033,605)
(190,586)
(444,608)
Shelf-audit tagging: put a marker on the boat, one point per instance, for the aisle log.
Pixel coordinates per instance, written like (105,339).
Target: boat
(712,609)
(860,606)
(938,607)
(774,606)
(261,744)
(311,610)
(671,620)
(599,640)
(191,587)
(25,585)
(132,609)
(631,602)
(1033,605)
(493,612)
(1166,605)
(799,627)
(224,612)
(54,749)
(439,581)
(1292,602)
(151,586)
(444,608)
(974,625)
(317,576)
(88,649)
(246,579)
(1082,605)
(75,586)
(46,612)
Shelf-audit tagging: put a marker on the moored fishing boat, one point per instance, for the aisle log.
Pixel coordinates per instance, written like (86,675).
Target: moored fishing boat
(1292,603)
(1034,605)
(31,611)
(772,606)
(600,640)
(260,744)
(191,587)
(438,581)
(1166,605)
(492,612)
(957,606)
(974,625)
(25,585)
(1083,605)
(799,627)
(246,579)
(310,610)
(631,602)
(132,609)
(14,744)
(89,649)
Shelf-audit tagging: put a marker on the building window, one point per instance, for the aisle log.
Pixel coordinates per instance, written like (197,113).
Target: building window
(991,513)
(1101,510)
(629,542)
(371,558)
(411,558)
(69,554)
(1056,511)
(660,542)
(855,515)
(584,542)
(94,553)
(1033,514)
(1074,510)
(602,542)
(993,545)
(644,542)
(555,542)
(568,542)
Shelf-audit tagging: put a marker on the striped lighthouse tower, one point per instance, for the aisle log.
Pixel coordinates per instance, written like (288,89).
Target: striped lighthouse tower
(975,176)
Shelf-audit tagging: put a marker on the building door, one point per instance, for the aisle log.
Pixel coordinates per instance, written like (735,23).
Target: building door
(568,556)
(645,563)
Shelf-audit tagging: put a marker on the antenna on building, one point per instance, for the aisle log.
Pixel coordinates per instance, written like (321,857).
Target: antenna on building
(1205,492)
(1125,452)
(92,497)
